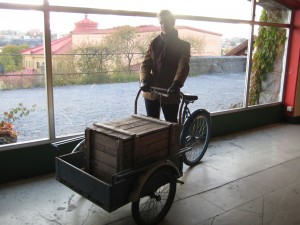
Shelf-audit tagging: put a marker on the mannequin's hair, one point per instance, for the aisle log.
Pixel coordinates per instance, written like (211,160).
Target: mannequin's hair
(167,14)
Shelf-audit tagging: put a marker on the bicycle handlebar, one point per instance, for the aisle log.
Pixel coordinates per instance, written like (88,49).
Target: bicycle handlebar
(164,92)
(160,91)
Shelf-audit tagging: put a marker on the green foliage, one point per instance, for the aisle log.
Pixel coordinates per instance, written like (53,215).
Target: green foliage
(197,44)
(269,42)
(125,43)
(8,63)
(11,57)
(7,132)
(17,113)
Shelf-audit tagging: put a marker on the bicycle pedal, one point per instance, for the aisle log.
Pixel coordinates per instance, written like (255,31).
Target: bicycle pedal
(180,182)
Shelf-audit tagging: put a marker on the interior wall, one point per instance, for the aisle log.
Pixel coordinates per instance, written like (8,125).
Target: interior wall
(291,89)
(297,97)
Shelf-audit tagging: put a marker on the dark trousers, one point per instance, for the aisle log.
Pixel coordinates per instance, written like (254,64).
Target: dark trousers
(170,110)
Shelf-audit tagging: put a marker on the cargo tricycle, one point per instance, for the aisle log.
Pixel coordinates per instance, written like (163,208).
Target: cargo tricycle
(137,159)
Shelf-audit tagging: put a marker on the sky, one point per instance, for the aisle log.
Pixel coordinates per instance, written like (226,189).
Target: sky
(63,23)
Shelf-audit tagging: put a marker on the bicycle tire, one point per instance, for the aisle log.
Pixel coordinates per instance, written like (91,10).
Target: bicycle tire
(195,133)
(156,198)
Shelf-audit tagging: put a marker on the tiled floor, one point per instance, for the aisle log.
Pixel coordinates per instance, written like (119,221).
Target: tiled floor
(251,177)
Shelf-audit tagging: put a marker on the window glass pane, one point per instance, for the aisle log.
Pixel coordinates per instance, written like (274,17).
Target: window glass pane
(233,9)
(32,2)
(22,79)
(268,65)
(219,79)
(272,11)
(96,76)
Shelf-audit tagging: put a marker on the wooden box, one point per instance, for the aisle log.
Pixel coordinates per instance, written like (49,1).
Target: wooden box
(128,143)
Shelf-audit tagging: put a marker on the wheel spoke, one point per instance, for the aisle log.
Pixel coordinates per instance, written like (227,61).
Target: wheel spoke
(151,206)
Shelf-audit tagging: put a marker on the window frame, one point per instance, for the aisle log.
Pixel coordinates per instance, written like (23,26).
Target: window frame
(46,9)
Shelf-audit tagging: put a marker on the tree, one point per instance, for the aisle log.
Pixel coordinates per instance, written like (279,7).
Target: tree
(92,58)
(125,41)
(11,57)
(197,44)
(8,63)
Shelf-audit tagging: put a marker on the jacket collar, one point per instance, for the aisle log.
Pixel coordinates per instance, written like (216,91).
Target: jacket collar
(169,37)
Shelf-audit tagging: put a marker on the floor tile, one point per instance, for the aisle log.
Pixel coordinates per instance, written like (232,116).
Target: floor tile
(247,214)
(235,194)
(191,211)
(201,178)
(275,177)
(282,206)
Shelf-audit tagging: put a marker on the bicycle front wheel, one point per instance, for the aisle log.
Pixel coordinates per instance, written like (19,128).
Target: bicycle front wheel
(195,134)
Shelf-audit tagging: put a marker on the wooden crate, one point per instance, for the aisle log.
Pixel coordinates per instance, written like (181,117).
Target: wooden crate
(128,143)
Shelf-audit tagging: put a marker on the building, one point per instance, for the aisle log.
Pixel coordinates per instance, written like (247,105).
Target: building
(86,31)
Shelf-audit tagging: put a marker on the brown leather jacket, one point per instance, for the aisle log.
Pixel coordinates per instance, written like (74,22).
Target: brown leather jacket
(166,60)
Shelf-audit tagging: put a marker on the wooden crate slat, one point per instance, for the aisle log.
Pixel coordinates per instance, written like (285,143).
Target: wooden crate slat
(148,129)
(123,122)
(150,158)
(129,126)
(154,120)
(105,126)
(157,136)
(102,146)
(102,166)
(153,147)
(97,146)
(108,159)
(106,140)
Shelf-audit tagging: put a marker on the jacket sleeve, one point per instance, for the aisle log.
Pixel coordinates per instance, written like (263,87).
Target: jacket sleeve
(184,64)
(146,66)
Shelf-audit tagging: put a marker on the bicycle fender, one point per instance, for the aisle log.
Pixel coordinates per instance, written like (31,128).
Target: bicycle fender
(140,182)
(203,111)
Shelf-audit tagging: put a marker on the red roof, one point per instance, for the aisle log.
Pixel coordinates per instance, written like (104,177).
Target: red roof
(59,46)
(87,26)
(198,30)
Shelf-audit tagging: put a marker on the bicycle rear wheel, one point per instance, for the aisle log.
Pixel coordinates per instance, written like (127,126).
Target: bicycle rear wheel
(195,134)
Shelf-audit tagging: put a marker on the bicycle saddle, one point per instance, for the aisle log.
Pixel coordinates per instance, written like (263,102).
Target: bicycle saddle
(189,97)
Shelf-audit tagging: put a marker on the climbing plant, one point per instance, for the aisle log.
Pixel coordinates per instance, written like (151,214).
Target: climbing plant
(268,44)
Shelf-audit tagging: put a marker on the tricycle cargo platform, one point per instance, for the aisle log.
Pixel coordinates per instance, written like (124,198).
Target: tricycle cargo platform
(70,172)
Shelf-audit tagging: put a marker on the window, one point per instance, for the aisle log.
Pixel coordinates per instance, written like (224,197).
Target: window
(22,88)
(269,54)
(96,52)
